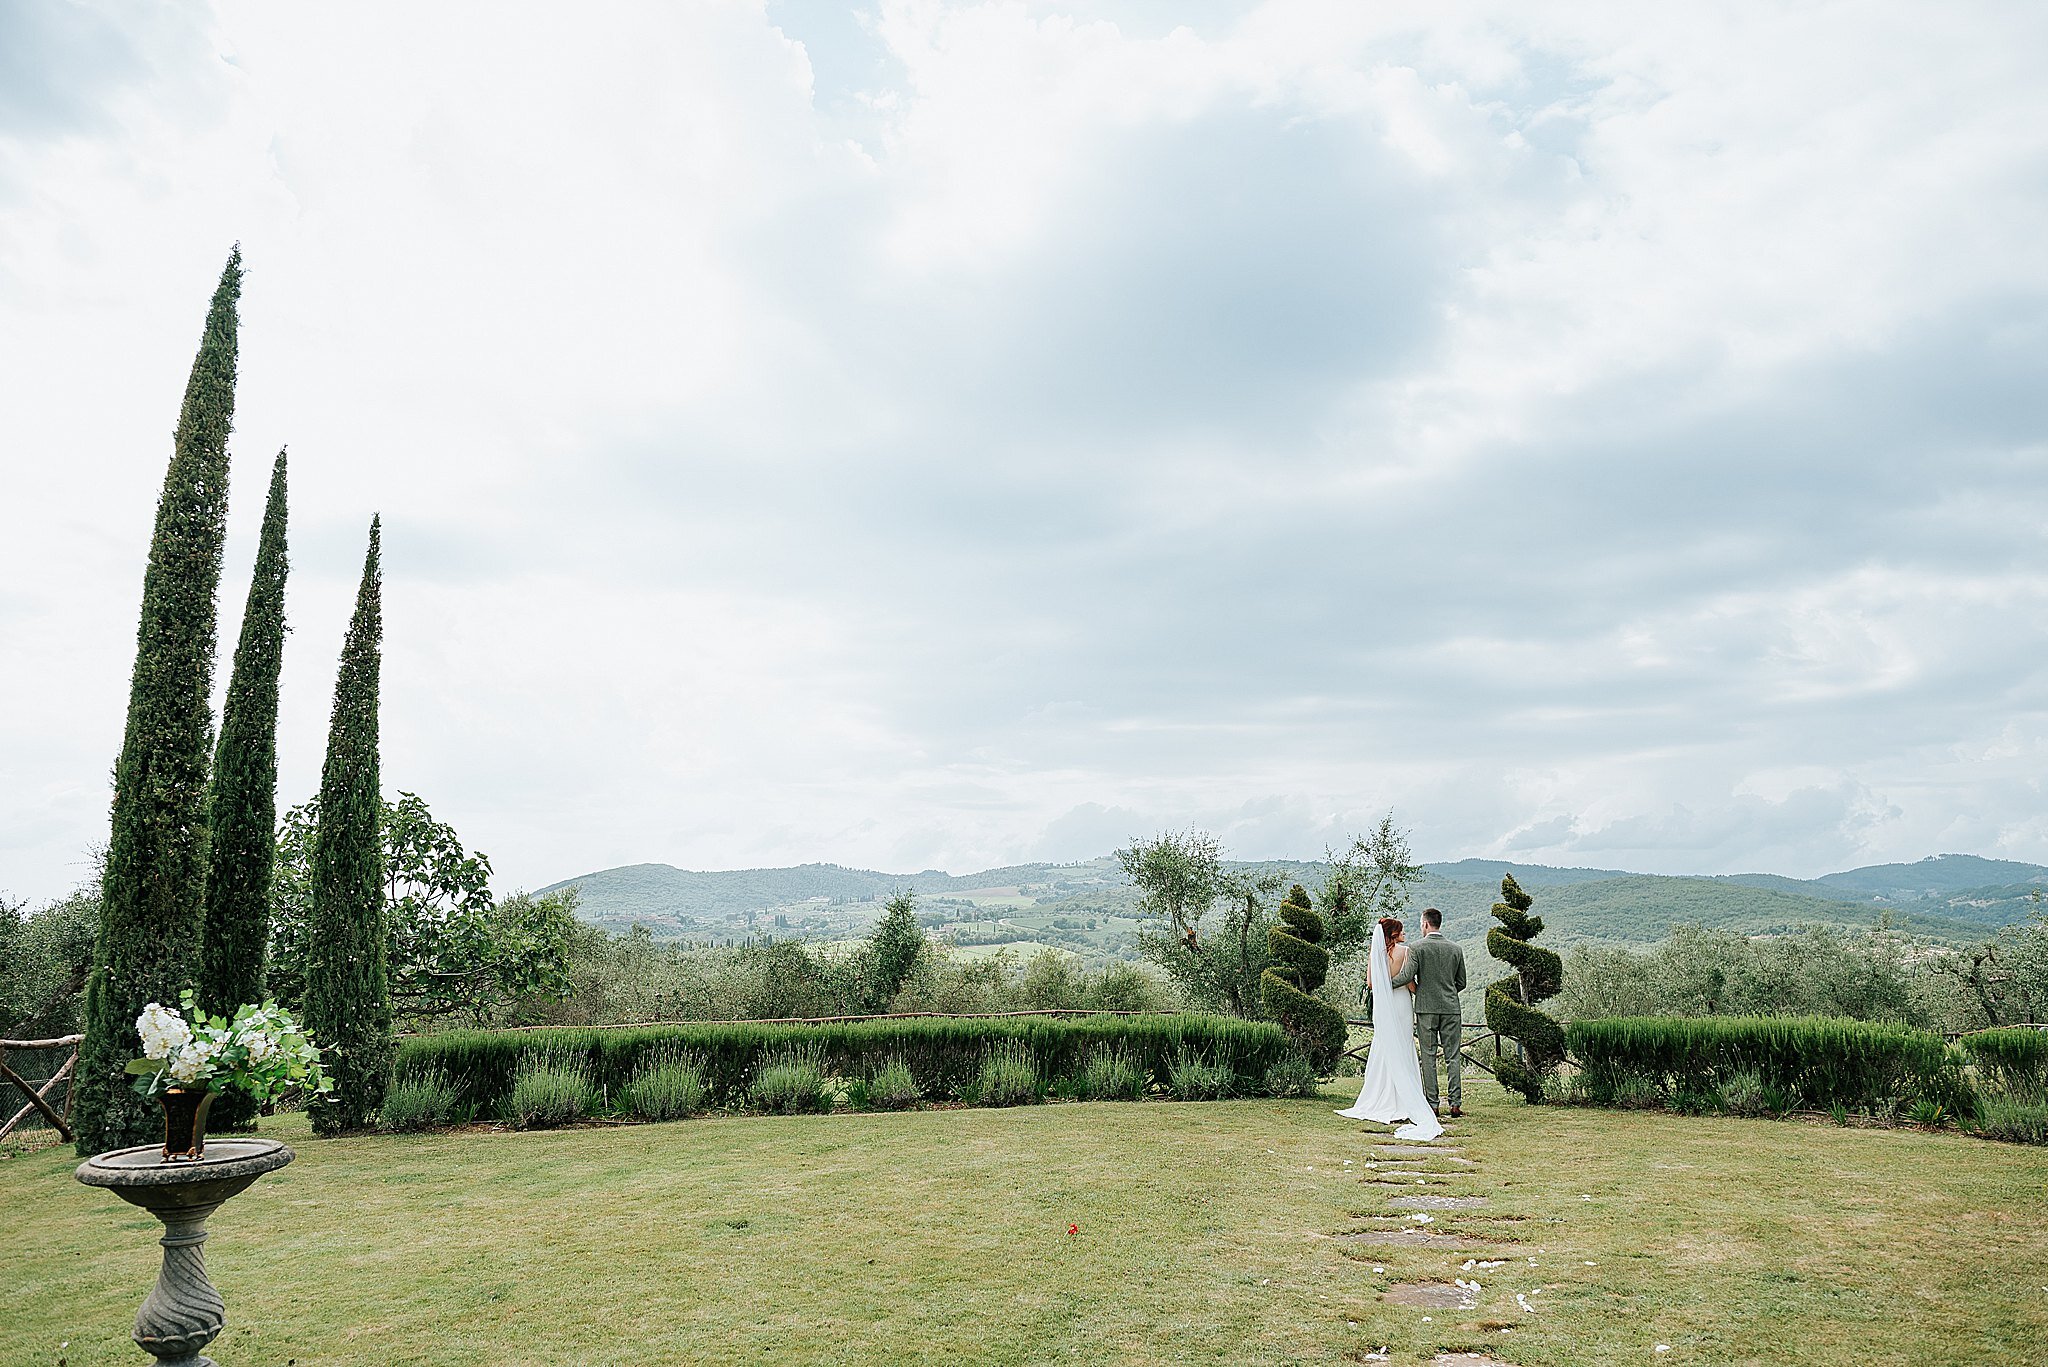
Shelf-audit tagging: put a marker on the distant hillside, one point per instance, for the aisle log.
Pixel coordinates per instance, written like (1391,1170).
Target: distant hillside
(1088,908)
(1937,876)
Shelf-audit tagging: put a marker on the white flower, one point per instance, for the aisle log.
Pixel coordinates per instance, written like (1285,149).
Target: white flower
(260,1047)
(162,1030)
(1663,1347)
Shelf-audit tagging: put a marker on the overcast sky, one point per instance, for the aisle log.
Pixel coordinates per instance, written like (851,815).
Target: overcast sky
(942,435)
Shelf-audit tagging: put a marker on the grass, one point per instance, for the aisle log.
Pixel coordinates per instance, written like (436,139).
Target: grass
(941,1236)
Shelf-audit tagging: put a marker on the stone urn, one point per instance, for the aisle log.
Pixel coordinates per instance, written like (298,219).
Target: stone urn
(183,1312)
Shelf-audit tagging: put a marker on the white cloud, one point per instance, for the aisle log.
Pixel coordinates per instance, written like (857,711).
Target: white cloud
(968,431)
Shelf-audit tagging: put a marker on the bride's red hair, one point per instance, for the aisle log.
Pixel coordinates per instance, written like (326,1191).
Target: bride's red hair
(1391,927)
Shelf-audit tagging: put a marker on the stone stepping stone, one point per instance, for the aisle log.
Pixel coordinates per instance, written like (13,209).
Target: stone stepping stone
(1437,1202)
(1431,1296)
(1467,1360)
(1414,1151)
(1410,1237)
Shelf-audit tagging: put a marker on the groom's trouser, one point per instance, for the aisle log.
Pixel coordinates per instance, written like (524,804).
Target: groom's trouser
(1436,1030)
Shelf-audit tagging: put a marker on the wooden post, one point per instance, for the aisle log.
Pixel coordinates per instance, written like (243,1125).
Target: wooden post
(37,1096)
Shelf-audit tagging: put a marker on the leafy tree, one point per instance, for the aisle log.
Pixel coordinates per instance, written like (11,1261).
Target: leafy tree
(881,967)
(452,950)
(243,805)
(1288,985)
(155,880)
(347,979)
(1511,1001)
(1369,880)
(1180,880)
(45,957)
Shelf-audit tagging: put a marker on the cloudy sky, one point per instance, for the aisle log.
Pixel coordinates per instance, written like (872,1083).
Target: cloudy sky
(918,435)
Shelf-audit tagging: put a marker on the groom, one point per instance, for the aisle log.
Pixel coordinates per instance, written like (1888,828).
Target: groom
(1437,968)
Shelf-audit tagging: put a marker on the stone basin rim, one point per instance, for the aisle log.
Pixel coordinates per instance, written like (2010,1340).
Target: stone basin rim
(144,1165)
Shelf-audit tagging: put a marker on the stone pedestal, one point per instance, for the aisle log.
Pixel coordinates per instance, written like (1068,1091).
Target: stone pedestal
(183,1312)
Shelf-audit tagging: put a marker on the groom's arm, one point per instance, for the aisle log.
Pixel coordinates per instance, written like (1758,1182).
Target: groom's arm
(1461,970)
(1407,973)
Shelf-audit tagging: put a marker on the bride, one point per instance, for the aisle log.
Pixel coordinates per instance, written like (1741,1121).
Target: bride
(1393,1073)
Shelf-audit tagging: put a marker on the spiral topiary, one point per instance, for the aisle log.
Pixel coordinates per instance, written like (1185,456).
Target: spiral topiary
(1511,1002)
(1288,985)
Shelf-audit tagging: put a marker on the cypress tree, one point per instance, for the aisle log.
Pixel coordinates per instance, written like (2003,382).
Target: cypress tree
(1287,988)
(244,800)
(155,880)
(348,979)
(1511,1001)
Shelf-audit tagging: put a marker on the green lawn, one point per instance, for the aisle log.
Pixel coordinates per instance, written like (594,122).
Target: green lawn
(940,1236)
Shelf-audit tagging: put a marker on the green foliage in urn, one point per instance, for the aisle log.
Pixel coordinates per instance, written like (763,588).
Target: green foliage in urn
(1299,967)
(347,986)
(1511,1001)
(155,877)
(261,1053)
(243,805)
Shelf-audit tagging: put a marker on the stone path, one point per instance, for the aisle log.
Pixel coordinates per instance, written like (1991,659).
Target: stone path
(1431,1296)
(1405,1237)
(1400,1168)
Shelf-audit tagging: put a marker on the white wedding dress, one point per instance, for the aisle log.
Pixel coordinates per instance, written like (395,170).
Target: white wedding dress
(1393,1069)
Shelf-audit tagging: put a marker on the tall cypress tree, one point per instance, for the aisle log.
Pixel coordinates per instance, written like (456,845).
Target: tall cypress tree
(348,977)
(244,800)
(155,881)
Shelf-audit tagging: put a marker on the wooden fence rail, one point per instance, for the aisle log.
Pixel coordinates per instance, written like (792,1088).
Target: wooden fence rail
(39,1097)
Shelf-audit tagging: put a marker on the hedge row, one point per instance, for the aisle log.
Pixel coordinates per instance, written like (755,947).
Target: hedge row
(944,1054)
(2013,1059)
(1810,1062)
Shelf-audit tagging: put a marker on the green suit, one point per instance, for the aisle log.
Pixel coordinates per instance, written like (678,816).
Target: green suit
(1437,968)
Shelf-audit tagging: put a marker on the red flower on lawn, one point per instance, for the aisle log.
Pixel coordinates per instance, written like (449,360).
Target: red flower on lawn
(1073,1229)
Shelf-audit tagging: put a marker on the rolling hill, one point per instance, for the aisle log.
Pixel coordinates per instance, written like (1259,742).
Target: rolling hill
(1088,908)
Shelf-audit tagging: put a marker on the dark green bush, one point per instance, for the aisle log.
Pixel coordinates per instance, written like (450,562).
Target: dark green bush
(943,1054)
(2012,1060)
(550,1087)
(418,1100)
(1772,1064)
(791,1081)
(667,1084)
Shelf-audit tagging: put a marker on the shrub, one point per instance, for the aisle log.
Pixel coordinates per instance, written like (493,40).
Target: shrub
(893,1087)
(418,1100)
(1806,1062)
(943,1054)
(550,1088)
(792,1082)
(1292,1076)
(1191,1078)
(667,1084)
(1009,1075)
(1565,1089)
(1743,1093)
(1111,1075)
(2015,1121)
(1300,966)
(1928,1113)
(1511,1001)
(2012,1060)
